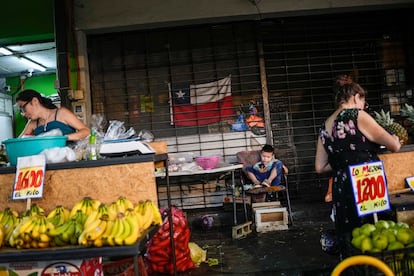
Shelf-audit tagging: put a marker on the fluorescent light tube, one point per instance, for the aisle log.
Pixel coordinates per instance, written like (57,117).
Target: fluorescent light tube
(33,65)
(5,51)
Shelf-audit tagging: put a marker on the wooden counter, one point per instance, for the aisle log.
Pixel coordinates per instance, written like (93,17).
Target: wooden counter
(398,166)
(104,179)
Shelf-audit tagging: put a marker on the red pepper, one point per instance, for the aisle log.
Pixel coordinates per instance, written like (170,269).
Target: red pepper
(164,246)
(184,237)
(184,264)
(159,254)
(180,254)
(165,227)
(164,235)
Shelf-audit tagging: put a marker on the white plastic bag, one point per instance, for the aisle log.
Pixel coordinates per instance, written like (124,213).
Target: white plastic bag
(117,131)
(53,132)
(58,155)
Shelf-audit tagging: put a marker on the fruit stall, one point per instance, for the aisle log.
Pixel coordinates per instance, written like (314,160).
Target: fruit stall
(391,238)
(105,179)
(83,201)
(398,167)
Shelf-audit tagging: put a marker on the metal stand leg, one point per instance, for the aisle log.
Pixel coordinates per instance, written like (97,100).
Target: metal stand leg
(233,187)
(244,200)
(288,201)
(136,268)
(170,220)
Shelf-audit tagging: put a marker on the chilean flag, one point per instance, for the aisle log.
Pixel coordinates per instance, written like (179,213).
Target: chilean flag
(201,104)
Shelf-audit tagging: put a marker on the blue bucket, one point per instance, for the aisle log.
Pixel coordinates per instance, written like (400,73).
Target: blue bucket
(19,147)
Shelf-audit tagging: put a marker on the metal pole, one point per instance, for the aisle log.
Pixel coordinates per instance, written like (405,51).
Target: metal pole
(234,198)
(265,95)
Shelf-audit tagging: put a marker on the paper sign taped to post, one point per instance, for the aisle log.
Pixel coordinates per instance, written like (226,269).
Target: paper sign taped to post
(30,176)
(370,187)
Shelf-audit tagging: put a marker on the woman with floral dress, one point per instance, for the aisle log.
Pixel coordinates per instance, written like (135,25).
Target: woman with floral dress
(349,136)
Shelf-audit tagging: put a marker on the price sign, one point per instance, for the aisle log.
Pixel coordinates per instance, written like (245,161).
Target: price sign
(370,188)
(410,182)
(30,172)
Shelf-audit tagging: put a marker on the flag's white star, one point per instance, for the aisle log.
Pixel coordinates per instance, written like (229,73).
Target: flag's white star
(180,94)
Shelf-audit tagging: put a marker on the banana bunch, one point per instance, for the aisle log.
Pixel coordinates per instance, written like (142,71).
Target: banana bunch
(123,204)
(147,214)
(80,217)
(93,231)
(96,214)
(31,232)
(8,219)
(120,205)
(1,236)
(33,210)
(124,230)
(116,224)
(86,205)
(58,215)
(66,233)
(131,231)
(157,219)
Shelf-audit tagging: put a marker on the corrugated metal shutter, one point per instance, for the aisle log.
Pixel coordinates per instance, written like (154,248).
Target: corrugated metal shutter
(130,73)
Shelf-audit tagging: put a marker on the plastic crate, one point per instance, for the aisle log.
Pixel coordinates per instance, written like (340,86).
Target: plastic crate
(401,262)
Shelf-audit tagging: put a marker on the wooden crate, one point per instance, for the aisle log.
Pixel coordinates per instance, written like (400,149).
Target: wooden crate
(270,219)
(263,205)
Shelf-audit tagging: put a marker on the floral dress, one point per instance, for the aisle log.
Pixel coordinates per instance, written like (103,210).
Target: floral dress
(346,146)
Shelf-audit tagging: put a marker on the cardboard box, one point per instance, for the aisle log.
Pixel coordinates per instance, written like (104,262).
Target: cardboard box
(89,267)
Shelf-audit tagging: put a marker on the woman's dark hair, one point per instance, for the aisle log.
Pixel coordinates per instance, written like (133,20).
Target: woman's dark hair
(344,88)
(28,95)
(268,148)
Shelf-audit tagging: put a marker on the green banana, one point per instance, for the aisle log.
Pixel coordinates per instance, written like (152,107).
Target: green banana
(70,231)
(59,229)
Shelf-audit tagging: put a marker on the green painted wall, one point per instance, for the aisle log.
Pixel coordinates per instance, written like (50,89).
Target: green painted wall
(43,84)
(26,21)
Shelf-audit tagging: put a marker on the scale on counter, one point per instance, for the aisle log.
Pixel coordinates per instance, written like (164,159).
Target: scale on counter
(125,147)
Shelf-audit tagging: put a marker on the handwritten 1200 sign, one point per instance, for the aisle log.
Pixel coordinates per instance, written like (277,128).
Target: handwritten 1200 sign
(370,188)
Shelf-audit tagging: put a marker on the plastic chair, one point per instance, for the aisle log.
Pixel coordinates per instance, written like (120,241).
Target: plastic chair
(249,158)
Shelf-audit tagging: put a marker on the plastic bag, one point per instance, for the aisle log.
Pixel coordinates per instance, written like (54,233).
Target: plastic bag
(53,132)
(198,255)
(57,155)
(117,131)
(239,124)
(146,135)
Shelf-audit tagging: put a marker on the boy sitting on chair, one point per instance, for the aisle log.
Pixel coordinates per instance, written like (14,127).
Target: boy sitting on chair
(268,171)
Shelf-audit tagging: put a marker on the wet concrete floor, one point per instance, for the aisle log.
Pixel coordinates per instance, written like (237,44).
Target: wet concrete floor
(296,251)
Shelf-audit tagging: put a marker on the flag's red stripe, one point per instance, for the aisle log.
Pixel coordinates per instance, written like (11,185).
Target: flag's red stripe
(203,114)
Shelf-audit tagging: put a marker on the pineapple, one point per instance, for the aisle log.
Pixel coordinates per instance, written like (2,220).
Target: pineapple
(408,110)
(385,120)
